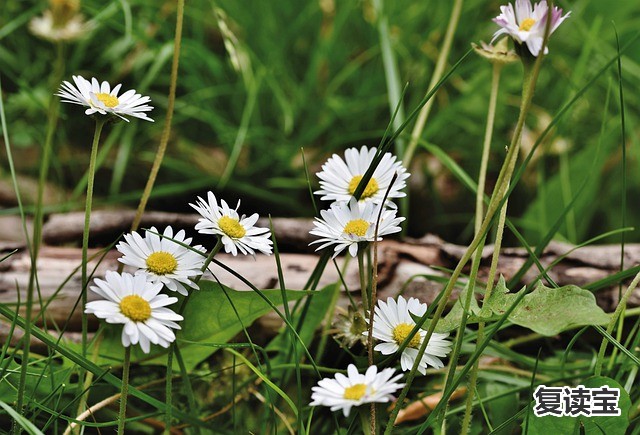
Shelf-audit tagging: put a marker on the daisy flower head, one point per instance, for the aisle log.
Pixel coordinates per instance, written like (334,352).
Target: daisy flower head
(339,178)
(136,303)
(392,323)
(351,327)
(237,233)
(100,98)
(344,392)
(162,259)
(526,23)
(347,224)
(61,22)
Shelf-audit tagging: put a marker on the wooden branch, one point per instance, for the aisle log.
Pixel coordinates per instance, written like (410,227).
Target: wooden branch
(59,280)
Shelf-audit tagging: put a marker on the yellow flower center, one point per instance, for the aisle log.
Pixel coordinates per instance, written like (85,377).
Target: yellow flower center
(231,227)
(401,332)
(135,307)
(527,24)
(108,100)
(161,263)
(355,392)
(371,189)
(356,227)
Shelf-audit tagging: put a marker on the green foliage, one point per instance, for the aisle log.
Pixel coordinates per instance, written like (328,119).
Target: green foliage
(320,303)
(611,425)
(213,316)
(547,311)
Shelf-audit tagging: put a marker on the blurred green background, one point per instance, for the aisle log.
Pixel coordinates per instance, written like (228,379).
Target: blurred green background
(259,80)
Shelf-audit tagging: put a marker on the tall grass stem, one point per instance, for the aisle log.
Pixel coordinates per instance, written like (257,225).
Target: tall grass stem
(435,78)
(164,139)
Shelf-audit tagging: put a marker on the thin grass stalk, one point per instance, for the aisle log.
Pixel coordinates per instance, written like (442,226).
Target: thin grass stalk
(486,145)
(52,118)
(164,139)
(27,327)
(391,73)
(497,199)
(435,78)
(612,323)
(122,415)
(374,290)
(623,199)
(455,354)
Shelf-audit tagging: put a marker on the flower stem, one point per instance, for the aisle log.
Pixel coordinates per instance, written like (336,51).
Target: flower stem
(502,186)
(363,281)
(473,376)
(164,139)
(486,146)
(122,415)
(87,221)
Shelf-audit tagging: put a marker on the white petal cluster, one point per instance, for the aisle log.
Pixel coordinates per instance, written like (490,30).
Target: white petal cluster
(163,258)
(392,323)
(344,392)
(101,98)
(526,23)
(339,178)
(238,233)
(136,303)
(345,225)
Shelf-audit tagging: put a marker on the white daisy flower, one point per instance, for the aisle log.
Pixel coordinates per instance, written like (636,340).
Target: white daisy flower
(237,232)
(344,392)
(136,303)
(392,324)
(526,24)
(339,179)
(162,259)
(347,224)
(102,99)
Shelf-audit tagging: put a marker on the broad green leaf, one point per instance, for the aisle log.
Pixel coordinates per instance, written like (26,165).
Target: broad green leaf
(613,425)
(549,311)
(209,317)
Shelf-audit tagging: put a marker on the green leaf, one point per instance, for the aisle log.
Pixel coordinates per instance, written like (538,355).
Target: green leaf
(208,318)
(35,386)
(26,425)
(549,311)
(610,425)
(318,307)
(454,317)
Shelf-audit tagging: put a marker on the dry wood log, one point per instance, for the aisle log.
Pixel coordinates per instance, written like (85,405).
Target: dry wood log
(58,267)
(59,277)
(292,233)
